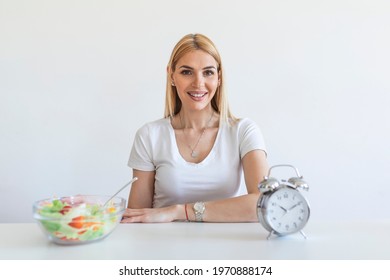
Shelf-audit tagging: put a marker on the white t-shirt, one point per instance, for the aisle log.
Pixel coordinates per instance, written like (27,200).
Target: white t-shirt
(177,181)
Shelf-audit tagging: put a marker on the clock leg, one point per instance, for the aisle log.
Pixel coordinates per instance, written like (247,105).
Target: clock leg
(303,234)
(269,235)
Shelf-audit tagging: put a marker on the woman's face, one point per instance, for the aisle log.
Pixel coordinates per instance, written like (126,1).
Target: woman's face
(196,79)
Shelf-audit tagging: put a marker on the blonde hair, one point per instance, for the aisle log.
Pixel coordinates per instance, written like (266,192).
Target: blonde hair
(188,43)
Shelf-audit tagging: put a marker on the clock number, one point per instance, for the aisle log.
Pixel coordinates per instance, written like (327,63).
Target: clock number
(285,195)
(279,197)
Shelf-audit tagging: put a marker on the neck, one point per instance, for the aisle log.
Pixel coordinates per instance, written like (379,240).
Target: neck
(196,120)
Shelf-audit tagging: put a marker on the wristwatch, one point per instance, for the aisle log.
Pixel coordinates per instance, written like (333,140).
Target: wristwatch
(199,208)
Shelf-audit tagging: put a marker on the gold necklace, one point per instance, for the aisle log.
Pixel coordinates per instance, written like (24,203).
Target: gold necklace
(195,154)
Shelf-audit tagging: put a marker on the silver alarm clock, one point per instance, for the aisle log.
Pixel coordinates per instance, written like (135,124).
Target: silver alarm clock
(282,209)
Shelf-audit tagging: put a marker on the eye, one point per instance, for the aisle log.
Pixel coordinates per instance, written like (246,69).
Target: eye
(186,72)
(208,73)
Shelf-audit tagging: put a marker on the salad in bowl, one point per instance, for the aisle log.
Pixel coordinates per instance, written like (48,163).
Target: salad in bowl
(78,219)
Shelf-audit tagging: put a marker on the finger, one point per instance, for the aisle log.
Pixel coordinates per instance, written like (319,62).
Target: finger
(136,219)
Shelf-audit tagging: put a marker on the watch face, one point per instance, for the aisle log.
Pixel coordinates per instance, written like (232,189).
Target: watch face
(199,207)
(286,211)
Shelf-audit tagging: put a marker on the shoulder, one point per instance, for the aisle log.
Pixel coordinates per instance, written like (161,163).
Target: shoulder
(248,131)
(241,125)
(249,136)
(245,122)
(154,126)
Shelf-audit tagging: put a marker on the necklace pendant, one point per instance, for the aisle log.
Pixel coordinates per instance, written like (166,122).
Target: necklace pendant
(194,154)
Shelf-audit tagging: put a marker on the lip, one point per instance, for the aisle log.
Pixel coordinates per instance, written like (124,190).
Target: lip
(197,95)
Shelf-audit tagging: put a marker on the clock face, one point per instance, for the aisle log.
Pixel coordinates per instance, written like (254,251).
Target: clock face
(286,211)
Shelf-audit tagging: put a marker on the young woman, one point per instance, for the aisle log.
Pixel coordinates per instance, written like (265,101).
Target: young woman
(189,163)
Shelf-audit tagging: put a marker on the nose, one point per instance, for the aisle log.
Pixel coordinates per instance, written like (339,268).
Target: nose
(198,81)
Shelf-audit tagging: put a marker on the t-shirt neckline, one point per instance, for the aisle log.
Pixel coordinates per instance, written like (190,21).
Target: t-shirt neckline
(206,159)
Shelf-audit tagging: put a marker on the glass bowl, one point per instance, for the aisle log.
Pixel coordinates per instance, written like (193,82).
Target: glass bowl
(78,219)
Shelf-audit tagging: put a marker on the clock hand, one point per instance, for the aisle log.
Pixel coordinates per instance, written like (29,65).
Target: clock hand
(284,209)
(295,205)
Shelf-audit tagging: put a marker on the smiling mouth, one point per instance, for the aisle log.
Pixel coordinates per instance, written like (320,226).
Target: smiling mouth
(197,94)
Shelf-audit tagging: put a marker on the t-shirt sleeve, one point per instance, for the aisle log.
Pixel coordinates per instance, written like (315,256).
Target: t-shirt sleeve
(251,137)
(141,153)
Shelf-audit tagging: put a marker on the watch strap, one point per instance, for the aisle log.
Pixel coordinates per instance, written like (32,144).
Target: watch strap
(199,208)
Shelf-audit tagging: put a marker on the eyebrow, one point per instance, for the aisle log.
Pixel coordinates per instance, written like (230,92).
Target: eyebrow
(191,68)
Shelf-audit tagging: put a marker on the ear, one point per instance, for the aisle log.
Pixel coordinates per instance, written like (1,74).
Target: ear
(170,75)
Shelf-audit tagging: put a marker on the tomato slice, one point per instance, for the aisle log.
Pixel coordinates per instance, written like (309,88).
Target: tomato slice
(65,209)
(77,222)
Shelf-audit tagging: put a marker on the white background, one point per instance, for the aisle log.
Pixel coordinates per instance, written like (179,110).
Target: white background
(78,78)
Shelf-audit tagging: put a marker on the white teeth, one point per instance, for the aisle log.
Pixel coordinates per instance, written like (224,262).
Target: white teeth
(197,95)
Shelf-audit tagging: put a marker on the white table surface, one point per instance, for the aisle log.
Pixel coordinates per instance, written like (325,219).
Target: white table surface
(205,241)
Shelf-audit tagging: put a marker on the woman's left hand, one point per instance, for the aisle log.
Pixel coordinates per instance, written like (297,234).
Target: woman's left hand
(151,215)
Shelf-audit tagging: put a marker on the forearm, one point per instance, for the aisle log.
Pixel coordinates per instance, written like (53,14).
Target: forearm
(237,209)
